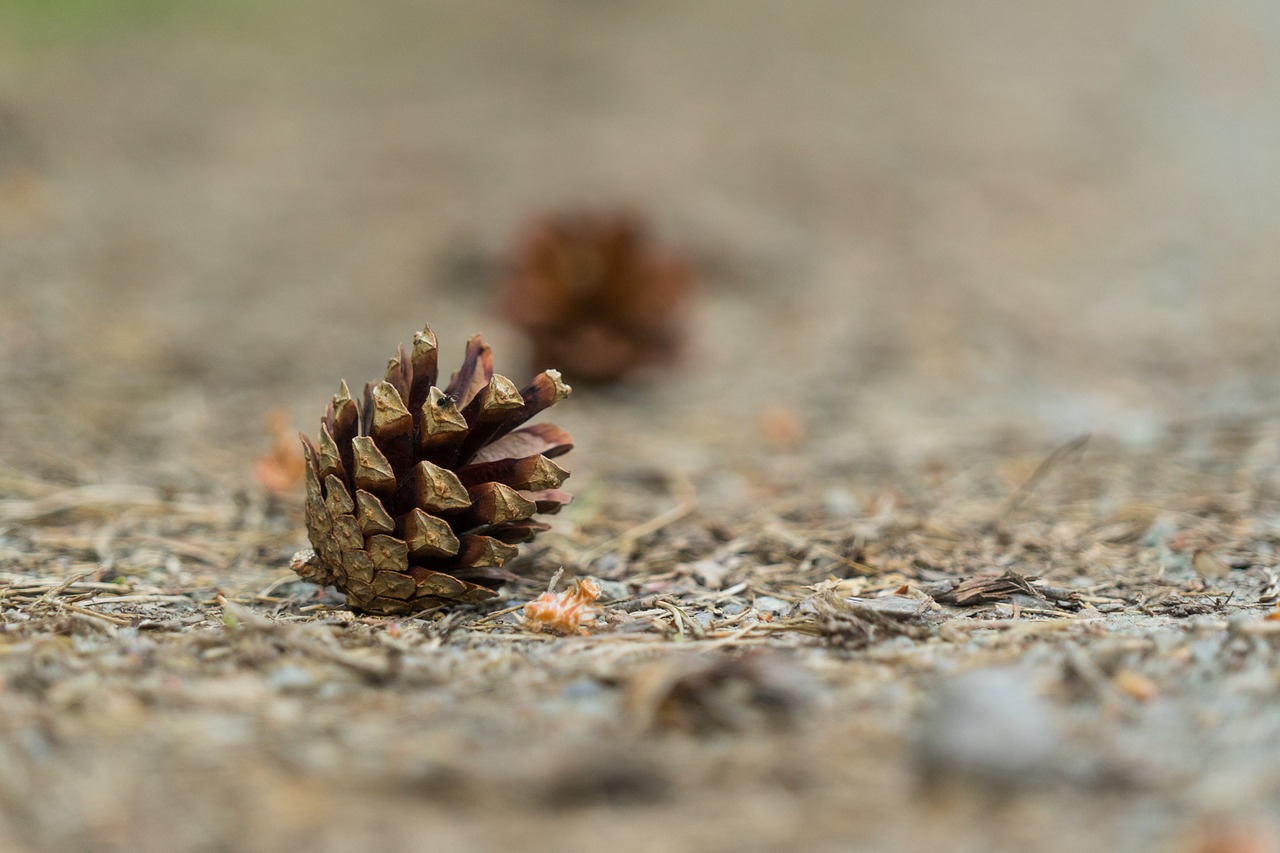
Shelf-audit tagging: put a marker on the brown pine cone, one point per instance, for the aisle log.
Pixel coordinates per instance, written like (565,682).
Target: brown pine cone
(420,495)
(595,296)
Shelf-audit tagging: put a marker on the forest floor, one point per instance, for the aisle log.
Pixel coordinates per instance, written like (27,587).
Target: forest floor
(956,530)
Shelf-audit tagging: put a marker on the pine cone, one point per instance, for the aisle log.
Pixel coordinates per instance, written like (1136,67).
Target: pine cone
(419,496)
(595,296)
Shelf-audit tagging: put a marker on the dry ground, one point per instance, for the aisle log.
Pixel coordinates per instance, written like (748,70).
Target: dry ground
(938,242)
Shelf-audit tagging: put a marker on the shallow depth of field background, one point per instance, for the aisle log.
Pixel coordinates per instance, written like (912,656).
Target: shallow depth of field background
(908,216)
(935,240)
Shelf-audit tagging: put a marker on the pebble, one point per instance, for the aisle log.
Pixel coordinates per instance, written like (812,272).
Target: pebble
(769,604)
(289,678)
(989,725)
(581,688)
(612,590)
(840,503)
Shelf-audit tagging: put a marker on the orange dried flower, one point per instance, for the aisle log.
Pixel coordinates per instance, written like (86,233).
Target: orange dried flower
(781,428)
(280,470)
(563,612)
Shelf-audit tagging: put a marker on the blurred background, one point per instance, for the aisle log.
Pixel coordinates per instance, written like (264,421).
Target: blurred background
(915,223)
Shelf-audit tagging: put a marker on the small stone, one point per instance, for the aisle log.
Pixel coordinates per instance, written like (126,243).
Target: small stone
(840,503)
(290,679)
(769,604)
(710,573)
(988,725)
(611,590)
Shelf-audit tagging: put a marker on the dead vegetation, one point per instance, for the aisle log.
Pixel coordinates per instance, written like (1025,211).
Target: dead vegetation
(159,645)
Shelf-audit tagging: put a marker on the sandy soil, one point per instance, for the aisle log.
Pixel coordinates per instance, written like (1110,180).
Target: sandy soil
(937,242)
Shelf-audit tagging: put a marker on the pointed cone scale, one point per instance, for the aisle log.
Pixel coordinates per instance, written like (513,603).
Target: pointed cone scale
(441,427)
(371,515)
(423,358)
(476,370)
(373,472)
(390,417)
(546,389)
(484,551)
(428,536)
(533,473)
(540,439)
(434,489)
(494,503)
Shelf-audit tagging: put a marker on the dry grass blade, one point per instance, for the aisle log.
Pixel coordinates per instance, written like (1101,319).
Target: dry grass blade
(1019,497)
(854,624)
(102,500)
(687,502)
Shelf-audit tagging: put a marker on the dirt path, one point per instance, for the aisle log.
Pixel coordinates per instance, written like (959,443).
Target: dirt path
(937,244)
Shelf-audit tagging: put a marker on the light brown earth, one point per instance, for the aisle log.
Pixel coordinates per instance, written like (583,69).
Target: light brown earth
(938,242)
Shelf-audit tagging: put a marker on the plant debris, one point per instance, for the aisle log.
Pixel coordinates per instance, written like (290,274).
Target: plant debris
(563,613)
(853,624)
(985,589)
(725,691)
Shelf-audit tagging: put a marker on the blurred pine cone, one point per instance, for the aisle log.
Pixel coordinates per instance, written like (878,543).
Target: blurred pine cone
(596,296)
(419,496)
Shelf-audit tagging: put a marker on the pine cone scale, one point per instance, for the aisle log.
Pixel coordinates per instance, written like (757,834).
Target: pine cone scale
(371,515)
(533,473)
(545,391)
(390,417)
(491,406)
(437,584)
(496,503)
(540,439)
(372,470)
(519,531)
(476,370)
(441,426)
(428,536)
(432,488)
(547,501)
(485,551)
(330,461)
